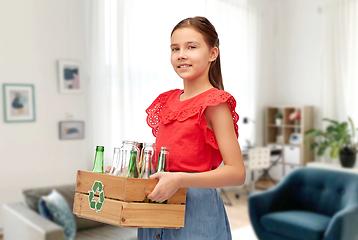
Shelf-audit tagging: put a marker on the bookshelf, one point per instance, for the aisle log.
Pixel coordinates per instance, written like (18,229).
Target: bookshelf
(289,136)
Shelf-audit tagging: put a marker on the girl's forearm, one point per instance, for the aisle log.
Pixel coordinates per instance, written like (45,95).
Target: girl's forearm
(224,176)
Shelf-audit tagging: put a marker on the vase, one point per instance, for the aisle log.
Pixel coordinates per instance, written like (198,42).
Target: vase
(347,158)
(278,121)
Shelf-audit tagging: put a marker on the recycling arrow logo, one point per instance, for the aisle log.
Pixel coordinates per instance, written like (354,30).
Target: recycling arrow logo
(97,188)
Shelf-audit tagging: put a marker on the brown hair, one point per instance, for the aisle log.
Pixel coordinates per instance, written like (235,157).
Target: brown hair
(202,25)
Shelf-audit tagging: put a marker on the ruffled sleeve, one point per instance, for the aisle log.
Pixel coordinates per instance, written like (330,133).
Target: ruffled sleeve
(214,99)
(155,109)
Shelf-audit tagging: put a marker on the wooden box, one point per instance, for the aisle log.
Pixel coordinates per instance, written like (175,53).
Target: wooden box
(119,201)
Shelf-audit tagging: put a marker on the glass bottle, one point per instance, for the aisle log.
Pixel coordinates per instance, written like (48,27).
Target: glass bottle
(145,167)
(128,155)
(98,160)
(163,160)
(116,163)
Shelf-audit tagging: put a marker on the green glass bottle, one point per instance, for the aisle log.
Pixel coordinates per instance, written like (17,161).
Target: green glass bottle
(98,160)
(132,167)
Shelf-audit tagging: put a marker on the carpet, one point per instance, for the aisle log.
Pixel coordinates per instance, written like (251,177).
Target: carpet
(244,233)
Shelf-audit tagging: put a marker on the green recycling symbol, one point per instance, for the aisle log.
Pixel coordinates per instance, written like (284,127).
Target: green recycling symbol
(97,187)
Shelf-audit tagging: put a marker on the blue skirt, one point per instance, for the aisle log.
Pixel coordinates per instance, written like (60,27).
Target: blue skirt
(205,219)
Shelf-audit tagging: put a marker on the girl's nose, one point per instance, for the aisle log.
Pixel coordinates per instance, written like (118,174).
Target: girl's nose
(181,55)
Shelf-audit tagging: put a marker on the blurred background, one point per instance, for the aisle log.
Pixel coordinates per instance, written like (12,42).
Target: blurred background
(273,52)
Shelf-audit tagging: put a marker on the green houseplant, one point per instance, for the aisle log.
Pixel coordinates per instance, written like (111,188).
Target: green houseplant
(340,138)
(278,118)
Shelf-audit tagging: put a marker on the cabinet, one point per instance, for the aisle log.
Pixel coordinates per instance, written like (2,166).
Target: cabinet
(289,136)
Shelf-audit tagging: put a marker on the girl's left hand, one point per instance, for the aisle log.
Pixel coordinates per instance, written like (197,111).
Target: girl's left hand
(168,184)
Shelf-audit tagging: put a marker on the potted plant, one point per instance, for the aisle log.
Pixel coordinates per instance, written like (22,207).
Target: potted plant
(278,118)
(339,138)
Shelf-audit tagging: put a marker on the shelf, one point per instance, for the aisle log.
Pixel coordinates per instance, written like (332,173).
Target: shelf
(292,126)
(274,133)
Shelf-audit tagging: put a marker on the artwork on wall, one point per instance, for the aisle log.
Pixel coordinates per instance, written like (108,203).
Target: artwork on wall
(19,102)
(72,130)
(70,77)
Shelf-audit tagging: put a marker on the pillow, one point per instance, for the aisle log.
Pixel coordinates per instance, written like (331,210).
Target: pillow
(33,196)
(61,213)
(43,210)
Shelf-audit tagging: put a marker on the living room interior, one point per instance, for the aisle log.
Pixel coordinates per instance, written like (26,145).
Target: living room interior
(294,58)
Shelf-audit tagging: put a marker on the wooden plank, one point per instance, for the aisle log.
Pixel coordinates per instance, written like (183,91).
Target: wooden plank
(137,189)
(151,215)
(118,213)
(110,213)
(113,185)
(126,189)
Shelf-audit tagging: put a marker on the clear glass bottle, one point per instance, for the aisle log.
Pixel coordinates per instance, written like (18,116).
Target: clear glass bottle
(98,160)
(129,154)
(145,166)
(116,163)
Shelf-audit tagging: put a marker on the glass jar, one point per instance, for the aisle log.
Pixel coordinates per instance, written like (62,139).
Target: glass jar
(128,155)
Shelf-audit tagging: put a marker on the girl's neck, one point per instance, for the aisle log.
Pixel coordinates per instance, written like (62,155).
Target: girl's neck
(194,88)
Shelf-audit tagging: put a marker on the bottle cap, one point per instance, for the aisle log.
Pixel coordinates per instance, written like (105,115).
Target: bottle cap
(100,148)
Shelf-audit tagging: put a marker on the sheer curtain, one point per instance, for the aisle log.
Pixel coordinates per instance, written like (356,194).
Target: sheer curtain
(340,61)
(128,65)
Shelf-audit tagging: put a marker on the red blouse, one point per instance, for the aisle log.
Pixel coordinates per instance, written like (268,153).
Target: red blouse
(181,126)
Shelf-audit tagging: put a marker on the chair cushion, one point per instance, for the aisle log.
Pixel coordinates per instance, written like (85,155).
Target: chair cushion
(296,224)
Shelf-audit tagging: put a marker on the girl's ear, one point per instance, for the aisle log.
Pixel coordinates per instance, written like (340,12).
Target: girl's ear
(214,53)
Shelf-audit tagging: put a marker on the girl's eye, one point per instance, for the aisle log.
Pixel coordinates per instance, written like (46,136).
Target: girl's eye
(175,49)
(192,47)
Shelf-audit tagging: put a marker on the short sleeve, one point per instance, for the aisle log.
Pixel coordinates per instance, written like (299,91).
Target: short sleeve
(214,99)
(154,110)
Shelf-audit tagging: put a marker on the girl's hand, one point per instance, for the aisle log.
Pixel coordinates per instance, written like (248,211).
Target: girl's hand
(168,184)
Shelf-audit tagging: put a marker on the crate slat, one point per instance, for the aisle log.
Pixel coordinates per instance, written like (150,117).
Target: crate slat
(152,215)
(124,214)
(125,189)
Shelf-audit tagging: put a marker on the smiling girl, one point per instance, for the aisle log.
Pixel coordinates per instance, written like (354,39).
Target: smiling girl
(199,125)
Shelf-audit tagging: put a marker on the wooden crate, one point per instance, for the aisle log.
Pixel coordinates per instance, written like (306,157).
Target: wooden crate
(122,204)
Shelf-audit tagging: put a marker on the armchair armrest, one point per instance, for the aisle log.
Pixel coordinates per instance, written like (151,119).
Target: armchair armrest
(20,222)
(343,225)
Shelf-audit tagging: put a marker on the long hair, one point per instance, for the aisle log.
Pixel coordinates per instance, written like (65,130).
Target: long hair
(202,25)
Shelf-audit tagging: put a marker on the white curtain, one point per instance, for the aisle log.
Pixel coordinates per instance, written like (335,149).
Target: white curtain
(128,65)
(340,61)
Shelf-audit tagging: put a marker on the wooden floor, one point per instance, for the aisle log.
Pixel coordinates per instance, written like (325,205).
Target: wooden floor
(238,211)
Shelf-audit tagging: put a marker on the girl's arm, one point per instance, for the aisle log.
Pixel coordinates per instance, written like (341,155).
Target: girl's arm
(233,172)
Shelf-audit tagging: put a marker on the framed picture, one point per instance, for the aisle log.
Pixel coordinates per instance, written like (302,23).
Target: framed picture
(69,77)
(72,129)
(19,102)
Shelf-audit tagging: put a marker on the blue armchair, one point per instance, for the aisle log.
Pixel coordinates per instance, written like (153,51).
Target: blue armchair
(308,204)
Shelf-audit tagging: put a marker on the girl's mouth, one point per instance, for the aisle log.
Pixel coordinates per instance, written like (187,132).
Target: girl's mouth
(184,66)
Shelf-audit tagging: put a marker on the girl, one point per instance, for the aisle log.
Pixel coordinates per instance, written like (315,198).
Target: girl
(199,125)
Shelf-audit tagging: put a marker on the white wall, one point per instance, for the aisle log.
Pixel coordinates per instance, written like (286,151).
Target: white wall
(299,49)
(34,35)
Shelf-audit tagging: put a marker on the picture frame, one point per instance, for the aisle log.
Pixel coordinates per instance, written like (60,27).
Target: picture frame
(19,102)
(71,130)
(70,77)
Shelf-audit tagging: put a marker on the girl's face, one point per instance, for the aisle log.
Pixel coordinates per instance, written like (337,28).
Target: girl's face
(191,56)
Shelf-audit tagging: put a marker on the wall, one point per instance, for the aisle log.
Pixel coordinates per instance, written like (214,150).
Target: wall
(299,48)
(34,35)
